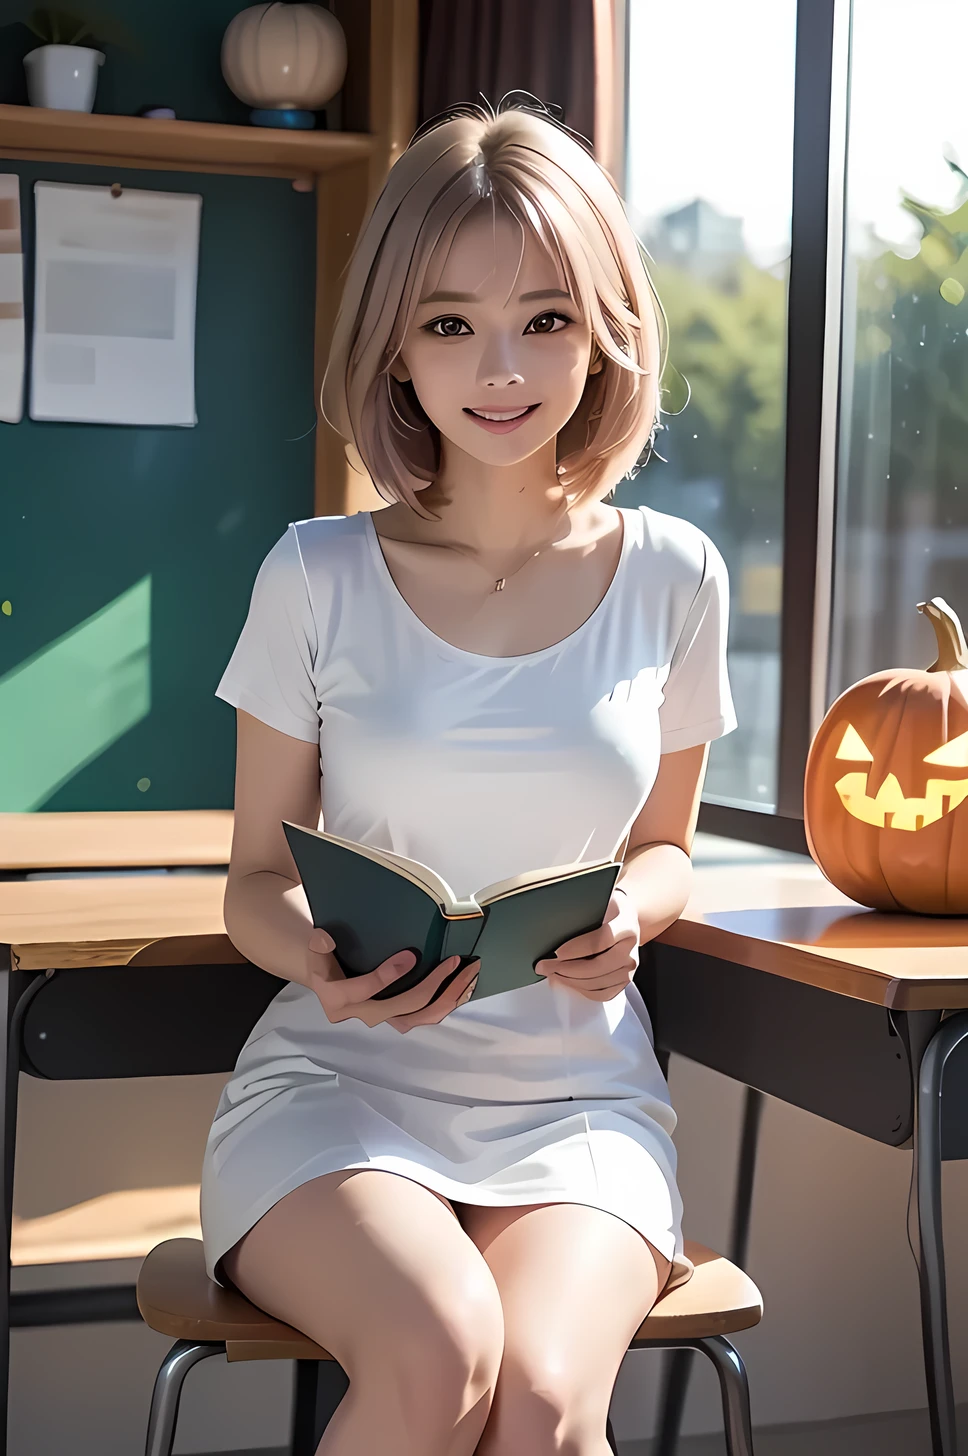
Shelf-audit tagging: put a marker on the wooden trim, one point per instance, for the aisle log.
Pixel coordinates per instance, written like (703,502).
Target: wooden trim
(395,28)
(609,18)
(341,200)
(93,139)
(381,98)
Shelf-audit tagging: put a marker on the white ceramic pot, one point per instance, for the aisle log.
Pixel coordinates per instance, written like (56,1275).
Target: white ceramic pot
(63,77)
(280,56)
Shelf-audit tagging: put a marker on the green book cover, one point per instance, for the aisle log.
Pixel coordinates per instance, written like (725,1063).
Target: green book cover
(375,903)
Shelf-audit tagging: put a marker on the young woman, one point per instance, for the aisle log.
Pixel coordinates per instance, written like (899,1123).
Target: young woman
(497,672)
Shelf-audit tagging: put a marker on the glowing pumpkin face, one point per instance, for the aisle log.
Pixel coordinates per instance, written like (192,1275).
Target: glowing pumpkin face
(890,808)
(885,803)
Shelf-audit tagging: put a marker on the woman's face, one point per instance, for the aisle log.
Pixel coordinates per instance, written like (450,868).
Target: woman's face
(482,341)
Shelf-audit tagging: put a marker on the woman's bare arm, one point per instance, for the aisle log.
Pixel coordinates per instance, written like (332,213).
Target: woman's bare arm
(266,913)
(657,873)
(265,910)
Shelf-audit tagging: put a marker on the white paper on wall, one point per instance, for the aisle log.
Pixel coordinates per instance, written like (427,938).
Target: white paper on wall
(11,302)
(114,305)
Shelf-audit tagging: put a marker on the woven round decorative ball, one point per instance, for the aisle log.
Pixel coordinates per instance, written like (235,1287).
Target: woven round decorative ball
(885,802)
(281,57)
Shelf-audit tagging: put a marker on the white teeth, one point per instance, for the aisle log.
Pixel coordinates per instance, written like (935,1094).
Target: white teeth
(503,415)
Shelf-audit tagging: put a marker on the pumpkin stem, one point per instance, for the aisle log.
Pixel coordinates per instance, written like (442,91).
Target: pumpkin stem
(952,649)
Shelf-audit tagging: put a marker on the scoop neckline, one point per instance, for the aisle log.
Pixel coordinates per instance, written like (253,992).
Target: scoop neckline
(390,586)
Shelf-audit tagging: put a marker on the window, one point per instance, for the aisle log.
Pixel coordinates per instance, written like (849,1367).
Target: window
(902,479)
(709,173)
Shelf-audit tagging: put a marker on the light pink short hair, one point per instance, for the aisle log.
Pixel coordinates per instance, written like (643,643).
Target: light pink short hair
(472,157)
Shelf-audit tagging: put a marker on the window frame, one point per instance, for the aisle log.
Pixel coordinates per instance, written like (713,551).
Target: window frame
(821,94)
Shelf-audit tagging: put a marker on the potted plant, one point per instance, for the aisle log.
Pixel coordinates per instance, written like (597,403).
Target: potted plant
(62,71)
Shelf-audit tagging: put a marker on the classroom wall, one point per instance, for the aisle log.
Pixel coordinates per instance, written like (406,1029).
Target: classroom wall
(129,553)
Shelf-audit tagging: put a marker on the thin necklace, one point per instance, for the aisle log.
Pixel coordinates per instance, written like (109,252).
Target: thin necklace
(499,581)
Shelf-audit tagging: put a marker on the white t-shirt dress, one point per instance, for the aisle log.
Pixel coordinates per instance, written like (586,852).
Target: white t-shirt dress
(480,767)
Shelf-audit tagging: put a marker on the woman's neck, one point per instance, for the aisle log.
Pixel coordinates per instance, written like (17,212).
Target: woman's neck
(485,508)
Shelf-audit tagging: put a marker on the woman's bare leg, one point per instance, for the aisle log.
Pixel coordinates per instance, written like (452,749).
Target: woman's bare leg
(376,1269)
(575,1284)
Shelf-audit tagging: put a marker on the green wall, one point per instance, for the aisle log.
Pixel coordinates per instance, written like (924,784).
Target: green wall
(127,554)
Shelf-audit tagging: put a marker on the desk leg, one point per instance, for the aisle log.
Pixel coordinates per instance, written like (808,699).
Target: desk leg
(931,1272)
(16,990)
(679,1362)
(8,1130)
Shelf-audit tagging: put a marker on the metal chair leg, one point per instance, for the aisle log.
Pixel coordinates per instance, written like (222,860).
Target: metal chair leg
(735,1392)
(167,1392)
(678,1366)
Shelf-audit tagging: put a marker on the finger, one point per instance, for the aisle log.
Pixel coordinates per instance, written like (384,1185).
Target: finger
(615,957)
(353,990)
(595,983)
(322,942)
(572,969)
(417,997)
(460,989)
(593,942)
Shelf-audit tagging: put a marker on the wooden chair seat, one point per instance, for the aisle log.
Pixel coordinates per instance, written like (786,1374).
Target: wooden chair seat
(177,1298)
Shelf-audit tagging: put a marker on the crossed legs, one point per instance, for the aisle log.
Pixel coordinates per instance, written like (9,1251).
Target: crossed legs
(493,1331)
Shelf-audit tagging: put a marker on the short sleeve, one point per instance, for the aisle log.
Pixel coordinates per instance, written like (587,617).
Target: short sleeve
(697,704)
(270,672)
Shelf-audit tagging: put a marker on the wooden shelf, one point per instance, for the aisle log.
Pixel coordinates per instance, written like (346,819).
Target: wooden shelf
(89,139)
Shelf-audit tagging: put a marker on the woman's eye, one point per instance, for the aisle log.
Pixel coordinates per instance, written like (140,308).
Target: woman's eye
(444,332)
(544,318)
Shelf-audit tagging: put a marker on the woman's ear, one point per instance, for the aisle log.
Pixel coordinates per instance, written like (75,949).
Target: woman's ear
(399,370)
(598,361)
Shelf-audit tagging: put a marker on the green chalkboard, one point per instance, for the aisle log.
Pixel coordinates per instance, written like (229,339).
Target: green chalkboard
(127,555)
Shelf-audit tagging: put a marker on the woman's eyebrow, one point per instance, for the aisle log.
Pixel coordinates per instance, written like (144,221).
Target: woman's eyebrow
(444,297)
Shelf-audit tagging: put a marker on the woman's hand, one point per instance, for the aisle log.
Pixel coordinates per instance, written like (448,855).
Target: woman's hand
(601,963)
(342,996)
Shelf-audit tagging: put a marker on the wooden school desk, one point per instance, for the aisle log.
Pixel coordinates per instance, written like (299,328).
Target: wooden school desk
(161,838)
(776,979)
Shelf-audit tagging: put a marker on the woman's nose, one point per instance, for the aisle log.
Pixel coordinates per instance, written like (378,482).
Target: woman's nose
(498,366)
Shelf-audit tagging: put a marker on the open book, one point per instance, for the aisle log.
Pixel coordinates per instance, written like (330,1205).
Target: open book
(375,903)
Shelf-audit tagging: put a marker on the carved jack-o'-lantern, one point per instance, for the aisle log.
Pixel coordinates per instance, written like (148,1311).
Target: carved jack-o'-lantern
(885,802)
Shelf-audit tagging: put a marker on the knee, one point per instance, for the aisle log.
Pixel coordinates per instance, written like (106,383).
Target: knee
(441,1360)
(545,1407)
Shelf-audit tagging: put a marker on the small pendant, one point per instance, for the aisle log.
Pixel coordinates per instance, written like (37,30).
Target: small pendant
(499,584)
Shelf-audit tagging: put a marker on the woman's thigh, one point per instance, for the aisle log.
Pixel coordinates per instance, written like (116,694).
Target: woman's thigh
(575,1284)
(377,1269)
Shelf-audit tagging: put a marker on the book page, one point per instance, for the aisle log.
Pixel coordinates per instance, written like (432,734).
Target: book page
(417,873)
(529,878)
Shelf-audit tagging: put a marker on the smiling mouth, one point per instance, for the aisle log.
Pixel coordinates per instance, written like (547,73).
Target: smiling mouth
(501,416)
